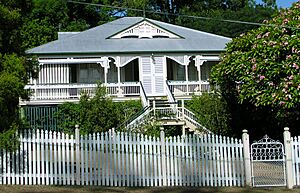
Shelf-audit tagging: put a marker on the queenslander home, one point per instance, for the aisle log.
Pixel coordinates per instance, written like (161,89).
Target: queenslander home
(133,57)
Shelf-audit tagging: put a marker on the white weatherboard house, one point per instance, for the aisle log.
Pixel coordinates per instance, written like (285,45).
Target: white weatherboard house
(133,56)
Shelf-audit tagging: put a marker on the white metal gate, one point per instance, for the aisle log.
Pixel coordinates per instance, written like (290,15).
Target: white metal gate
(268,163)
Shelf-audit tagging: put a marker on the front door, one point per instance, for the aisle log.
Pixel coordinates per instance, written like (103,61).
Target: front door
(152,68)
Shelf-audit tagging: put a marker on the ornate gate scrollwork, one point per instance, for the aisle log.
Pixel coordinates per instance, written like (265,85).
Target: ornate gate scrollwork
(268,163)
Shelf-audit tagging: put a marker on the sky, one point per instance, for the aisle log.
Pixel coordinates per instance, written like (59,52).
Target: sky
(282,3)
(285,3)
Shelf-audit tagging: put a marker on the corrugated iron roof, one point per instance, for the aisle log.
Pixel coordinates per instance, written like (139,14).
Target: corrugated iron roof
(96,40)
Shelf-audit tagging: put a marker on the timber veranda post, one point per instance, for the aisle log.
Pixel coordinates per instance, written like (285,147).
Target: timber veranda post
(247,160)
(77,146)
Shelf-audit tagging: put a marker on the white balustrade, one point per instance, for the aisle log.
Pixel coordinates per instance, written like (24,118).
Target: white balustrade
(73,91)
(179,88)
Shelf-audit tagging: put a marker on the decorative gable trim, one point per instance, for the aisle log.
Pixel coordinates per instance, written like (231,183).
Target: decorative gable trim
(145,29)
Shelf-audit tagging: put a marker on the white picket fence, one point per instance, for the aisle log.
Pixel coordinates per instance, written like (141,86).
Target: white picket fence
(123,159)
(296,160)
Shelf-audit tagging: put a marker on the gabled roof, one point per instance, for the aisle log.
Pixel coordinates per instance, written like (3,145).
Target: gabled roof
(145,29)
(101,40)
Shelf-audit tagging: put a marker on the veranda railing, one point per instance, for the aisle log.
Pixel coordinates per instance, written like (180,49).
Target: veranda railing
(180,88)
(73,91)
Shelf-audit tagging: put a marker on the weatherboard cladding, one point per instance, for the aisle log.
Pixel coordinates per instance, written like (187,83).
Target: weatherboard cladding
(96,40)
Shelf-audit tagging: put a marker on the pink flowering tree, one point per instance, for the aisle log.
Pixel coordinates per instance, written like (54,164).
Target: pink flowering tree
(262,67)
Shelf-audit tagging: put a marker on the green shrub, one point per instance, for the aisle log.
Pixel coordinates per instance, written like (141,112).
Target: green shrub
(95,114)
(212,112)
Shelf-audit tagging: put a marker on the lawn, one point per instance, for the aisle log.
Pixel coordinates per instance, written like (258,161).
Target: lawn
(82,189)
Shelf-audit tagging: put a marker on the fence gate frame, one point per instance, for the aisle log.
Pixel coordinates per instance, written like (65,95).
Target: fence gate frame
(266,152)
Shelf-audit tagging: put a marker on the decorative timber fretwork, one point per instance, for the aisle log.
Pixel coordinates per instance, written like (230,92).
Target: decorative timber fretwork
(145,29)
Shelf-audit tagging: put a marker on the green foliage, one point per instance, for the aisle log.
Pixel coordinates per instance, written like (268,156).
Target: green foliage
(14,72)
(10,21)
(68,116)
(9,139)
(152,127)
(52,10)
(14,69)
(228,29)
(36,32)
(95,114)
(212,112)
(261,69)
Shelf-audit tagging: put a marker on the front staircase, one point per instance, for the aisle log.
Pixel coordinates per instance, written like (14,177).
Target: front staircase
(166,113)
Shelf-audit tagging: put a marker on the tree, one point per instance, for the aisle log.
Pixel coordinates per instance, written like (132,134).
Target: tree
(14,75)
(11,13)
(260,70)
(35,32)
(241,11)
(14,69)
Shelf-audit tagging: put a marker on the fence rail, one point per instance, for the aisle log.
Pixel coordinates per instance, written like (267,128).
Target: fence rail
(123,159)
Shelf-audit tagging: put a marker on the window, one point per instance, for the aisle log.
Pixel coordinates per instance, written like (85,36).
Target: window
(90,73)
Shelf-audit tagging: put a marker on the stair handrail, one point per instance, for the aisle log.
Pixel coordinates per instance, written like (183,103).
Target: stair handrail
(171,98)
(133,117)
(139,120)
(191,117)
(144,97)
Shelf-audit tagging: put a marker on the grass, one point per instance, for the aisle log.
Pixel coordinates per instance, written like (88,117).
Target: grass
(95,189)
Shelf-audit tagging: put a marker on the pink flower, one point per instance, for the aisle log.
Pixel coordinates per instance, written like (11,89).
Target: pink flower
(284,30)
(254,67)
(261,77)
(294,50)
(291,77)
(281,103)
(288,56)
(295,66)
(267,34)
(272,43)
(253,60)
(258,36)
(284,90)
(285,21)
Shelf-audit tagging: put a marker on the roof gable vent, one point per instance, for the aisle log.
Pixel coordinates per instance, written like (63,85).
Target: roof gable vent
(144,30)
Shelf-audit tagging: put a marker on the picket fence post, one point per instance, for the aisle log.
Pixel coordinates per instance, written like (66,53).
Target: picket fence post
(163,156)
(77,137)
(288,157)
(247,160)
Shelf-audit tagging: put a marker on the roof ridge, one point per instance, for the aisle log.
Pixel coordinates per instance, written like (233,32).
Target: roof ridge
(186,28)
